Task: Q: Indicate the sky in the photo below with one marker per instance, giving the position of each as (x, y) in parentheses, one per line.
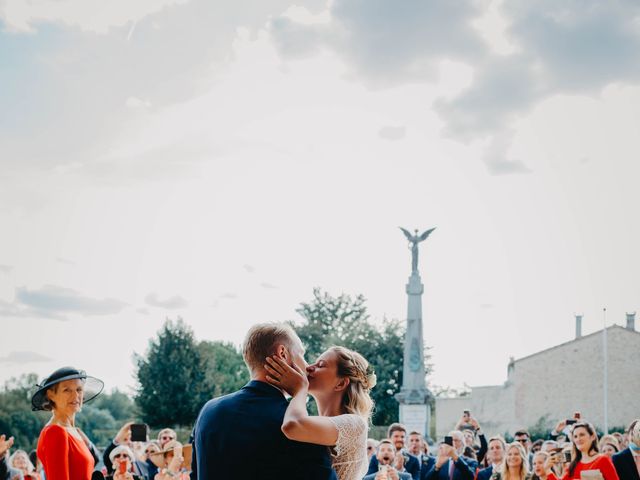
(216, 161)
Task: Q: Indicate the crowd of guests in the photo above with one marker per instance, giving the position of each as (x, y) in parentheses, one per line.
(464, 454)
(571, 451)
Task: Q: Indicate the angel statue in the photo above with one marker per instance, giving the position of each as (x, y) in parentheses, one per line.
(414, 240)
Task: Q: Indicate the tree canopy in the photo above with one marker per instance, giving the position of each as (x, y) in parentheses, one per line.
(172, 378)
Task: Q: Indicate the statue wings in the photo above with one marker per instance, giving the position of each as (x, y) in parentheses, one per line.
(425, 234)
(416, 238)
(407, 234)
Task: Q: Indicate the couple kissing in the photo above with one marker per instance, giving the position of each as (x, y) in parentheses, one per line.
(255, 433)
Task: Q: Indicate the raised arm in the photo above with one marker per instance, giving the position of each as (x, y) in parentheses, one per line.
(297, 424)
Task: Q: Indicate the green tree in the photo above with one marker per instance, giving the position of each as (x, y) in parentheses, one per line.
(171, 377)
(98, 424)
(120, 405)
(343, 320)
(224, 367)
(16, 417)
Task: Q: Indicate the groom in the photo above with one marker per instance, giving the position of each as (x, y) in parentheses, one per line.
(238, 436)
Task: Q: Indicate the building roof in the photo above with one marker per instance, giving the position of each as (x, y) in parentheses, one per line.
(576, 340)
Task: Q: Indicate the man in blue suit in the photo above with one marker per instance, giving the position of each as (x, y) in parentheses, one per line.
(239, 435)
(450, 466)
(627, 462)
(495, 455)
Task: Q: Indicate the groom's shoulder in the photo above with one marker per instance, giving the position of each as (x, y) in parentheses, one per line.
(223, 402)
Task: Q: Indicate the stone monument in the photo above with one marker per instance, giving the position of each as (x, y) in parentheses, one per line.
(414, 397)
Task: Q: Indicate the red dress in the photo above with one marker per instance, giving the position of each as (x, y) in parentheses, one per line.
(63, 456)
(602, 463)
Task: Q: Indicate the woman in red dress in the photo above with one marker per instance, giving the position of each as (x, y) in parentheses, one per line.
(64, 450)
(586, 456)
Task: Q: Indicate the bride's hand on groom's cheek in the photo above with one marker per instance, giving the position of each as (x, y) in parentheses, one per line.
(289, 378)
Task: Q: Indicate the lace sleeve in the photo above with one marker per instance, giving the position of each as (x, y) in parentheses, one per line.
(352, 433)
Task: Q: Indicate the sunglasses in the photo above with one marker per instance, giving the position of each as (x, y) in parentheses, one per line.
(121, 455)
(166, 438)
(522, 440)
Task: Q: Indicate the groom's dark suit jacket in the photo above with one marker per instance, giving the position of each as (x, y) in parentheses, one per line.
(238, 436)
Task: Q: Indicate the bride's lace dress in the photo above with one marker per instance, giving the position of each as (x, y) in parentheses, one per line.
(349, 456)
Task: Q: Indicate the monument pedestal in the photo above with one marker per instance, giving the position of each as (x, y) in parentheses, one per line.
(416, 418)
(414, 397)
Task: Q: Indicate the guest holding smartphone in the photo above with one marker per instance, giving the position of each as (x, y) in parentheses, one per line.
(122, 460)
(65, 451)
(585, 454)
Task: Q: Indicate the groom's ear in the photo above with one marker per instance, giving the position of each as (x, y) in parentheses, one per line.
(282, 352)
(342, 384)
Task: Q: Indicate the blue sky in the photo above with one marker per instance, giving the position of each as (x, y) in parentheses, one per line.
(218, 160)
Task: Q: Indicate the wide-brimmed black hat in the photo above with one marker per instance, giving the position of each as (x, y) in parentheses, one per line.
(92, 386)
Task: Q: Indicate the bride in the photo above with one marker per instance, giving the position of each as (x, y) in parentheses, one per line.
(339, 381)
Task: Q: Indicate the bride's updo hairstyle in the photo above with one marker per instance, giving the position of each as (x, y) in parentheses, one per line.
(355, 367)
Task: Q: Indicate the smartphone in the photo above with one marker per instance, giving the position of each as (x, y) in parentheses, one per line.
(139, 432)
(570, 421)
(448, 440)
(122, 468)
(383, 468)
(566, 457)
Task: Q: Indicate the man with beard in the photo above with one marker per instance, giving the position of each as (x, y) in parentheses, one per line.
(386, 471)
(404, 461)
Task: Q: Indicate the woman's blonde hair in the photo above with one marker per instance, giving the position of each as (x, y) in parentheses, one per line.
(18, 453)
(524, 465)
(355, 367)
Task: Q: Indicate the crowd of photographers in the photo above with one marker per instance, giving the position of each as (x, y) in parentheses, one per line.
(464, 454)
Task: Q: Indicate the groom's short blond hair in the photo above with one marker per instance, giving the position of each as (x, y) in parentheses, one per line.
(261, 342)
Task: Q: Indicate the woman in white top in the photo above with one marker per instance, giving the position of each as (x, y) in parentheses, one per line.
(339, 381)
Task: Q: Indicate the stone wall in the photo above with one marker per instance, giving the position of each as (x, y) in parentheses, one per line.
(553, 383)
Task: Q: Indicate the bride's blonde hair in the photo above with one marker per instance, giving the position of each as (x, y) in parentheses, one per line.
(355, 367)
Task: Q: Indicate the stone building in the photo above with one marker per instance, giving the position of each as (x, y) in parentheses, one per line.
(552, 384)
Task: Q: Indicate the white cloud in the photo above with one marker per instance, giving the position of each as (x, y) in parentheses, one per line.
(134, 102)
(91, 15)
(172, 303)
(52, 300)
(21, 358)
(392, 133)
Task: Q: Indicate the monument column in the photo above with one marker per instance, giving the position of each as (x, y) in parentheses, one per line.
(414, 397)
